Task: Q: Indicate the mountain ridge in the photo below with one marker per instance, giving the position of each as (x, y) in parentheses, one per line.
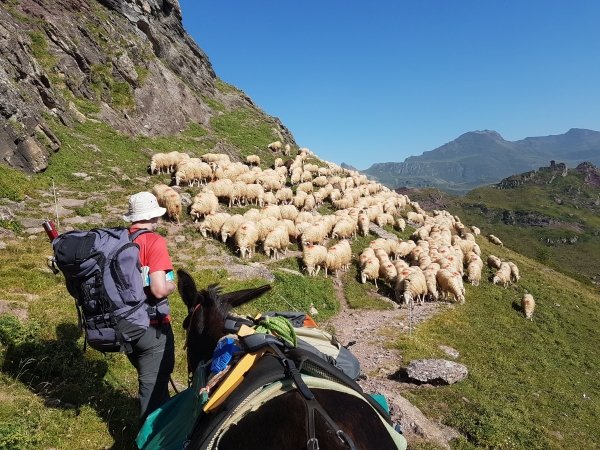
(483, 157)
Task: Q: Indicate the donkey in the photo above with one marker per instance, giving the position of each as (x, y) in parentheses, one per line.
(282, 422)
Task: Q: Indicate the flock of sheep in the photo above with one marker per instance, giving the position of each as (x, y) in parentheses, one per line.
(284, 199)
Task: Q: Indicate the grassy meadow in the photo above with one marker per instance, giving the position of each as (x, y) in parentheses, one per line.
(531, 385)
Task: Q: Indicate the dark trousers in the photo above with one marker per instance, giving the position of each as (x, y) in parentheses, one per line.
(153, 357)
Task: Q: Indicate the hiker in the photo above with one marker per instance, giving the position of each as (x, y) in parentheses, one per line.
(153, 354)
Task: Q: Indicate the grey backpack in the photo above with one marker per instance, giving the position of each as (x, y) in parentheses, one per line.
(103, 273)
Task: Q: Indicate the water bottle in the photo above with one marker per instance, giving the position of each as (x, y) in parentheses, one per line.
(50, 229)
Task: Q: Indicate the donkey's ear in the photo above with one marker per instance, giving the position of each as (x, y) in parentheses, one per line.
(238, 298)
(187, 288)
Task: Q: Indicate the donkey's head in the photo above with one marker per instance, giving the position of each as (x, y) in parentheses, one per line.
(207, 311)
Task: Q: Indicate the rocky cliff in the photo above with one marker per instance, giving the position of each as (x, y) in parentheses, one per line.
(128, 63)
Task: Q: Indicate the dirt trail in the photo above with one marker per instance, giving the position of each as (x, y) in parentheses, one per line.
(371, 330)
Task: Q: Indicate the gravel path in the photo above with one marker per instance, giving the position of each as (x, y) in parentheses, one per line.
(371, 330)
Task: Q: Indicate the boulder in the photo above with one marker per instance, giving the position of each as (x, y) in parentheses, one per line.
(436, 371)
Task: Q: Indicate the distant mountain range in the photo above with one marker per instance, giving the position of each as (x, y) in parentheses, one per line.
(479, 158)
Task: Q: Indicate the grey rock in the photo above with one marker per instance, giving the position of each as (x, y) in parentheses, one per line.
(31, 223)
(78, 115)
(76, 220)
(186, 199)
(451, 352)
(60, 210)
(436, 371)
(2, 245)
(380, 232)
(70, 202)
(10, 308)
(36, 158)
(6, 213)
(33, 230)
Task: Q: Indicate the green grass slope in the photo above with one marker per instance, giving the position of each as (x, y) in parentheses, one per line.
(531, 384)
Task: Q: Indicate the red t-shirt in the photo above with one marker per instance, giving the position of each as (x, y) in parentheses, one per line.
(155, 254)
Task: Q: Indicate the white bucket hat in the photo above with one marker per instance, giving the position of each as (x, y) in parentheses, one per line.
(143, 206)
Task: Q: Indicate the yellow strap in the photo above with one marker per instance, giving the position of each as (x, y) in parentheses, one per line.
(245, 330)
(236, 376)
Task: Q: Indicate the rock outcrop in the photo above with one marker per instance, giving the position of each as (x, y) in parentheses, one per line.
(128, 63)
(436, 371)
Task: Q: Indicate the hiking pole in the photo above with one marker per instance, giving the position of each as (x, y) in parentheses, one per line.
(410, 314)
(55, 203)
(293, 307)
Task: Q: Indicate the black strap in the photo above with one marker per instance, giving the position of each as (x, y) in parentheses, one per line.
(133, 236)
(311, 404)
(233, 324)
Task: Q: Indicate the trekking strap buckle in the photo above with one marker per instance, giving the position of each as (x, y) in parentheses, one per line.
(51, 263)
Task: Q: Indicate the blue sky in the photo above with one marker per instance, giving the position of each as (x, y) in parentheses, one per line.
(364, 82)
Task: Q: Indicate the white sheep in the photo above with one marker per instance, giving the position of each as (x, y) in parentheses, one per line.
(313, 257)
(245, 238)
(168, 198)
(369, 270)
(275, 146)
(363, 224)
(222, 188)
(387, 271)
(338, 257)
(309, 203)
(265, 226)
(253, 214)
(204, 204)
(412, 287)
(212, 224)
(399, 224)
(502, 275)
(474, 267)
(514, 272)
(159, 163)
(431, 281)
(255, 194)
(494, 240)
(193, 172)
(450, 282)
(528, 306)
(276, 241)
(315, 234)
(494, 262)
(344, 229)
(284, 195)
(253, 160)
(271, 211)
(231, 225)
(215, 158)
(305, 187)
(288, 212)
(269, 199)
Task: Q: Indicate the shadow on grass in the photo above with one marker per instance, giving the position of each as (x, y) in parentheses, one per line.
(58, 372)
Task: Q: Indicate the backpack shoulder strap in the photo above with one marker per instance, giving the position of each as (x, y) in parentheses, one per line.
(133, 236)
